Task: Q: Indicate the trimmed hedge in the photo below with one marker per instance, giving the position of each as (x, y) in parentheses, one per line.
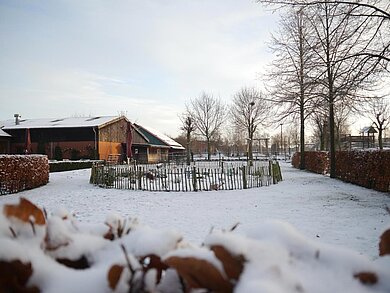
(317, 162)
(69, 165)
(370, 169)
(19, 172)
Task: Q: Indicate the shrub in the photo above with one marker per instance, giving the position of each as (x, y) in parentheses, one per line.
(20, 172)
(369, 169)
(69, 165)
(58, 153)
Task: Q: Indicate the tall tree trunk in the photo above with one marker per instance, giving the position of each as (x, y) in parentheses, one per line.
(332, 149)
(380, 140)
(302, 139)
(188, 148)
(331, 97)
(302, 93)
(208, 149)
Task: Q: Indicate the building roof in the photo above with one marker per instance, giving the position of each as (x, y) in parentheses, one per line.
(57, 122)
(157, 138)
(4, 134)
(368, 129)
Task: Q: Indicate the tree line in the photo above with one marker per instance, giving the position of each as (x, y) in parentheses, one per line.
(331, 57)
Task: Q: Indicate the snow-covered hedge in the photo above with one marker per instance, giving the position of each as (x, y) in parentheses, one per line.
(53, 252)
(369, 169)
(18, 172)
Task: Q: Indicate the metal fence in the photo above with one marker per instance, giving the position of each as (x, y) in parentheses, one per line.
(170, 177)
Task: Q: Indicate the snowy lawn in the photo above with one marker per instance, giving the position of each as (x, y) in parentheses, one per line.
(189, 236)
(323, 209)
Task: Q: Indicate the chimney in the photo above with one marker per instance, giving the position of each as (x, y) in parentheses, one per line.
(17, 116)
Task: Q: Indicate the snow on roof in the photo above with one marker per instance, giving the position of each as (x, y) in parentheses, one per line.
(4, 134)
(169, 141)
(57, 122)
(368, 129)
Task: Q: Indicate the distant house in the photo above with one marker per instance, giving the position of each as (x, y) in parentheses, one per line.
(160, 148)
(68, 138)
(85, 138)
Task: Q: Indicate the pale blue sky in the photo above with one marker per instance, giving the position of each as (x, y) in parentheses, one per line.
(60, 58)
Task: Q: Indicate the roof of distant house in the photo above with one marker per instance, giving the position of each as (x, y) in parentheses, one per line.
(58, 122)
(157, 138)
(369, 129)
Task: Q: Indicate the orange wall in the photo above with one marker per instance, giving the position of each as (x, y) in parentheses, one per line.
(109, 148)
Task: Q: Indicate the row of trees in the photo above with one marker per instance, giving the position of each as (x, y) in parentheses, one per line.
(205, 116)
(330, 58)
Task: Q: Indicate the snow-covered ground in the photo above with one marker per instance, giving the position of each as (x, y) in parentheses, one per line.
(323, 209)
(189, 234)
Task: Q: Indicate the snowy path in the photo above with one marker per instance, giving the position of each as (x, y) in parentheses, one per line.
(321, 208)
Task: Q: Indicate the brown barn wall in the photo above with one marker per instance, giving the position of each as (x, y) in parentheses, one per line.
(84, 147)
(114, 132)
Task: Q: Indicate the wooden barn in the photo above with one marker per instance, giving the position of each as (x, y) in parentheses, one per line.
(100, 137)
(69, 138)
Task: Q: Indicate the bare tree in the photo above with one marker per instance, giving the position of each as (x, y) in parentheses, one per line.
(291, 70)
(188, 127)
(342, 113)
(378, 38)
(379, 108)
(348, 57)
(320, 122)
(208, 115)
(248, 110)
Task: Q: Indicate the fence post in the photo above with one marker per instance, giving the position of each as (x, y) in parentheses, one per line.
(92, 179)
(139, 175)
(244, 183)
(194, 178)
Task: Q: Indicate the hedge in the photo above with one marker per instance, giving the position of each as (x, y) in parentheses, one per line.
(20, 172)
(59, 166)
(370, 169)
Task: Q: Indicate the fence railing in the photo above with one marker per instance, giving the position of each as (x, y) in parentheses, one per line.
(180, 178)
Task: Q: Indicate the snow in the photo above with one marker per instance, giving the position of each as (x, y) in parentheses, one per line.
(4, 134)
(169, 141)
(57, 122)
(309, 232)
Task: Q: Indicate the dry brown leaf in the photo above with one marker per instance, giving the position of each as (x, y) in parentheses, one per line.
(109, 235)
(78, 264)
(153, 261)
(113, 276)
(25, 211)
(384, 244)
(199, 273)
(14, 276)
(232, 264)
(367, 278)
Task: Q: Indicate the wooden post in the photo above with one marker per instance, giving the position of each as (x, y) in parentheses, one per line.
(244, 183)
(139, 175)
(194, 178)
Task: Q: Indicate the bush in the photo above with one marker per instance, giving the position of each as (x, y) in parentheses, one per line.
(58, 153)
(19, 172)
(369, 169)
(74, 154)
(317, 162)
(70, 165)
